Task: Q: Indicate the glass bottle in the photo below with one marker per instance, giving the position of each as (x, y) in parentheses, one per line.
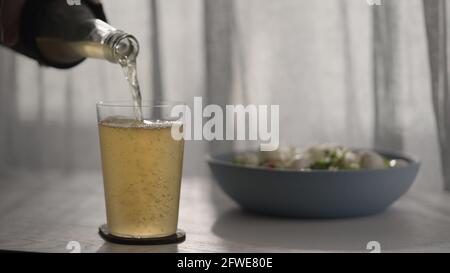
(62, 35)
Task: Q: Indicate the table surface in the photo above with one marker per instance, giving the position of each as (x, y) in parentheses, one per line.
(44, 211)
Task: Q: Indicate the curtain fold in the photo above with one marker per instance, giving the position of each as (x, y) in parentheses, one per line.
(387, 130)
(404, 110)
(436, 17)
(7, 111)
(157, 90)
(219, 16)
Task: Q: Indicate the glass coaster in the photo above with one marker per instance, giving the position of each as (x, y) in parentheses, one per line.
(176, 238)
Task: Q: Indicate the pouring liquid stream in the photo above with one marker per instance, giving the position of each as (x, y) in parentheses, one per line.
(129, 68)
(127, 53)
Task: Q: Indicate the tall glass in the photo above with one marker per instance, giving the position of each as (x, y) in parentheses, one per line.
(142, 165)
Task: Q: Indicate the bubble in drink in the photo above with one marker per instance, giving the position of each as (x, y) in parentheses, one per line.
(142, 167)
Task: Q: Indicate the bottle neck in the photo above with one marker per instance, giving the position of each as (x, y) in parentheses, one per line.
(89, 39)
(120, 46)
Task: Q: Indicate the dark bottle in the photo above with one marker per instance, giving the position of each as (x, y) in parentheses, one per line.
(62, 34)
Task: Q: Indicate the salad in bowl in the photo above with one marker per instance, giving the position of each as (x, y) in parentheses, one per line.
(318, 157)
(322, 181)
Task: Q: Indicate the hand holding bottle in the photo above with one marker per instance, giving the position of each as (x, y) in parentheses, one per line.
(56, 33)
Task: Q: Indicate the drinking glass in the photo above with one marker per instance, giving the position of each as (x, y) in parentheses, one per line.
(142, 166)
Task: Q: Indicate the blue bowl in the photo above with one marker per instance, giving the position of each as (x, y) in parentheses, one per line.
(315, 193)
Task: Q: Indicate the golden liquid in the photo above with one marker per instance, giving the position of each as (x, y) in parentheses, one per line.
(60, 51)
(142, 167)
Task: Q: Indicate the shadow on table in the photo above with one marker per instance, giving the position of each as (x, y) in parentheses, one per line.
(394, 229)
(117, 248)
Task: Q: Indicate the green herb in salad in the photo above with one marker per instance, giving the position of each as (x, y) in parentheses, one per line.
(319, 157)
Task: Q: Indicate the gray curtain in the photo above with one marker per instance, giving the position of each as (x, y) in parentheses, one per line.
(404, 105)
(436, 22)
(341, 71)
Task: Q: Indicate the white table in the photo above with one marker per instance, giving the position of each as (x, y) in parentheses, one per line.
(43, 211)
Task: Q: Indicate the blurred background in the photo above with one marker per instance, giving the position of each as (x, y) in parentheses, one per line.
(342, 71)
